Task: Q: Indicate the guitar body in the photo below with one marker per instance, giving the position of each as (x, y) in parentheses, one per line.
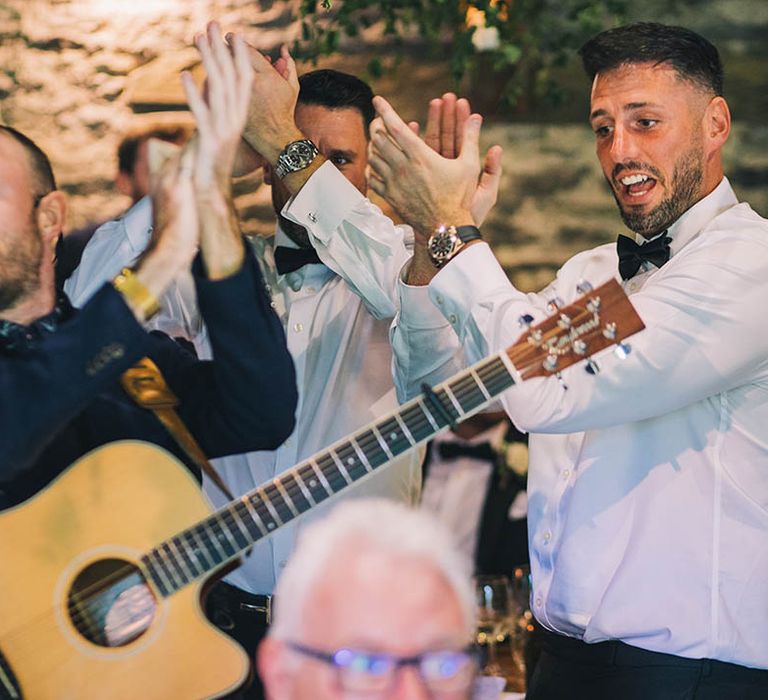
(82, 534)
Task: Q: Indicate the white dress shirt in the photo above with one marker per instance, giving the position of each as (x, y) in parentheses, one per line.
(648, 483)
(455, 489)
(336, 320)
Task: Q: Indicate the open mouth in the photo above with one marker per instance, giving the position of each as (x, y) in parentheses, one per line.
(636, 186)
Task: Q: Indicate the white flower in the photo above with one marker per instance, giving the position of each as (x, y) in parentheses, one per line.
(485, 38)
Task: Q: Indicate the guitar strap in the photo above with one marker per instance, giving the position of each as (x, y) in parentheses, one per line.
(145, 384)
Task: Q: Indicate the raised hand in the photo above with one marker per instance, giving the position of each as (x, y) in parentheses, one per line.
(221, 116)
(446, 123)
(446, 118)
(270, 124)
(424, 187)
(221, 113)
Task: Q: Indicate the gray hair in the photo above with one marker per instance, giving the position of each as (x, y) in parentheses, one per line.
(379, 524)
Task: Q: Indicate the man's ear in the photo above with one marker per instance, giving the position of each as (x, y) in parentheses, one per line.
(51, 215)
(274, 668)
(717, 122)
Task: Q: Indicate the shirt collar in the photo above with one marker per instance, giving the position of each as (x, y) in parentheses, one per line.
(16, 338)
(696, 219)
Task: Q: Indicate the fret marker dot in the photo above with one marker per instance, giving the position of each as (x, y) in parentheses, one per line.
(271, 526)
(351, 460)
(312, 483)
(393, 436)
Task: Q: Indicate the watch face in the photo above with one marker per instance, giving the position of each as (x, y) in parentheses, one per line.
(299, 154)
(441, 245)
(296, 156)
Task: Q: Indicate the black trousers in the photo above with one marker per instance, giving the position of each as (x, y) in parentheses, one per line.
(570, 669)
(233, 612)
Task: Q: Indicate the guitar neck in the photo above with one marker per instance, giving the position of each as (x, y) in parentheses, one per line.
(231, 530)
(600, 318)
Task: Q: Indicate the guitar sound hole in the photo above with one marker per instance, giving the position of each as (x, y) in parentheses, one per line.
(110, 603)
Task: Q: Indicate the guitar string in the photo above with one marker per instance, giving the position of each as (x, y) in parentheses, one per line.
(497, 369)
(464, 387)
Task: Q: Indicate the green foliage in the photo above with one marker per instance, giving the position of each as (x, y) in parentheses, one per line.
(522, 41)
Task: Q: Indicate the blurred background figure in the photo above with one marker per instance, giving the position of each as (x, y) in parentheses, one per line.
(474, 481)
(132, 181)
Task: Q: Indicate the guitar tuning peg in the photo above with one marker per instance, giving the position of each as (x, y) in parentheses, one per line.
(592, 367)
(525, 320)
(554, 304)
(579, 347)
(622, 350)
(562, 381)
(550, 363)
(583, 287)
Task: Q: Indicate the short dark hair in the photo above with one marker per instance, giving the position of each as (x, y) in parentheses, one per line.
(337, 90)
(693, 57)
(39, 166)
(128, 149)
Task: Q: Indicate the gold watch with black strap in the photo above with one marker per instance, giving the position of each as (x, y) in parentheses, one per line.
(447, 241)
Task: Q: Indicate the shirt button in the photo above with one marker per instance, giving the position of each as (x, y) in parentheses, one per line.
(547, 537)
(566, 473)
(439, 299)
(312, 217)
(298, 327)
(452, 318)
(538, 602)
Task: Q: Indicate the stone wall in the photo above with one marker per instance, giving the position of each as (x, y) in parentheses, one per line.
(77, 74)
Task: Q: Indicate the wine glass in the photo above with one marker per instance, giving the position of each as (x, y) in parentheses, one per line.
(520, 623)
(493, 609)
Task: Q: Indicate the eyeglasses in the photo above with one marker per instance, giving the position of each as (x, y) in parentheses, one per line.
(444, 671)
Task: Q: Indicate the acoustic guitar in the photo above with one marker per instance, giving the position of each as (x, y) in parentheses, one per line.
(103, 571)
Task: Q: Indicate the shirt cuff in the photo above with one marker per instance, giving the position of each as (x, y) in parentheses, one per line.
(470, 276)
(416, 308)
(323, 203)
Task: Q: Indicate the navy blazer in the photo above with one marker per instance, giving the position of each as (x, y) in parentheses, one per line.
(60, 395)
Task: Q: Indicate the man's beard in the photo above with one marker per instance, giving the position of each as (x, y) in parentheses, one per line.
(686, 188)
(20, 269)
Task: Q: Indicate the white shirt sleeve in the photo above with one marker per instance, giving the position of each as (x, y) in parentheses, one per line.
(118, 244)
(353, 237)
(704, 333)
(425, 347)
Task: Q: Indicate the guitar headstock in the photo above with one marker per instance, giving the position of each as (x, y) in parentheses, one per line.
(600, 318)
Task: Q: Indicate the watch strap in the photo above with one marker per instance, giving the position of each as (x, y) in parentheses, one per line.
(136, 293)
(468, 233)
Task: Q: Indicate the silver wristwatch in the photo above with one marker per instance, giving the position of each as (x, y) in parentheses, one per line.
(446, 241)
(297, 155)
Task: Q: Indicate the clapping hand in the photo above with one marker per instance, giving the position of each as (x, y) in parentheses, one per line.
(438, 180)
(221, 114)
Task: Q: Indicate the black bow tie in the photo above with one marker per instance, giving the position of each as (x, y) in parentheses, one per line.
(291, 259)
(454, 450)
(631, 255)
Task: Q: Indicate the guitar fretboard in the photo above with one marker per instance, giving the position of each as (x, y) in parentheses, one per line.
(231, 530)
